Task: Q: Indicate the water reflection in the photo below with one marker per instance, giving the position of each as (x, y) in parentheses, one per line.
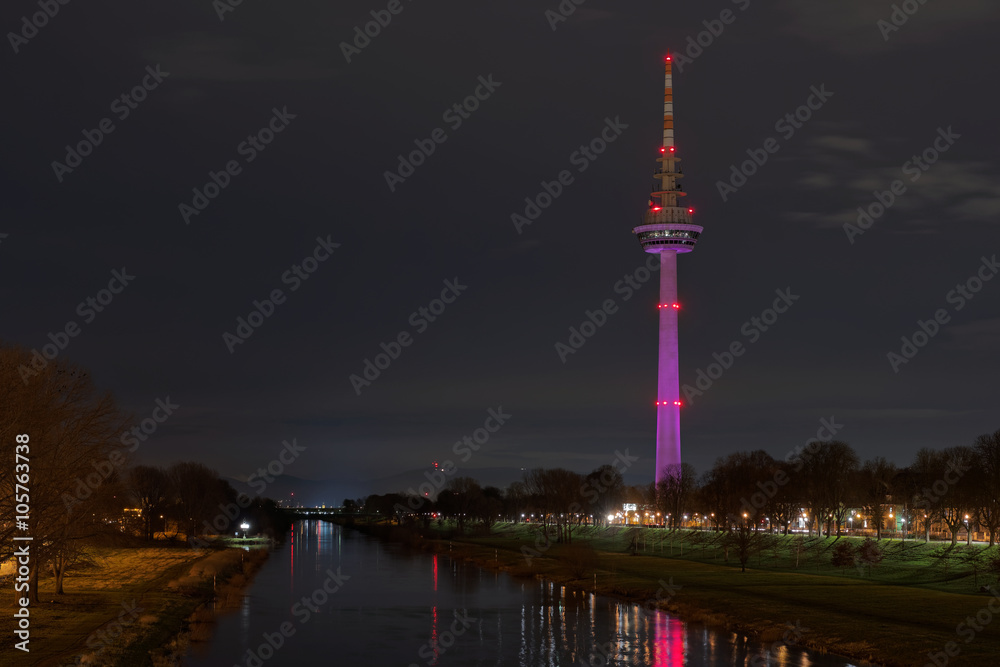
(399, 607)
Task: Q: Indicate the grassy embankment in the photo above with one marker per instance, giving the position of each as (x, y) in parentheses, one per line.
(130, 606)
(908, 606)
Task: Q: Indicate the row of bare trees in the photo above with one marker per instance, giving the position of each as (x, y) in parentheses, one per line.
(957, 487)
(556, 497)
(73, 473)
(824, 486)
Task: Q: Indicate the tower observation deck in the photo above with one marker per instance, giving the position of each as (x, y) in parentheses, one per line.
(667, 229)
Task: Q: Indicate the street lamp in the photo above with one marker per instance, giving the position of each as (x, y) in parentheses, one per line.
(245, 526)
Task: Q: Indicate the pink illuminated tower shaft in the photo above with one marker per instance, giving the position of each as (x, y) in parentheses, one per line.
(668, 413)
(667, 229)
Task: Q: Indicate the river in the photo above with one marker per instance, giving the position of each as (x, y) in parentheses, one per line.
(333, 596)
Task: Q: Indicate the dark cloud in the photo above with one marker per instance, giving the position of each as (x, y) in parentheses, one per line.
(324, 175)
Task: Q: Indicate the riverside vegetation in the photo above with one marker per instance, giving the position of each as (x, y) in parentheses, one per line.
(904, 609)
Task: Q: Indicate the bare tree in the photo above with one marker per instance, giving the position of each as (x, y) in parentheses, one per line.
(515, 499)
(71, 458)
(925, 472)
(198, 496)
(831, 472)
(565, 485)
(150, 487)
(746, 540)
(467, 496)
(604, 489)
(675, 490)
(958, 508)
(877, 477)
(987, 448)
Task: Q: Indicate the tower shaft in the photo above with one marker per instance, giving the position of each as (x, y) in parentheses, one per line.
(668, 418)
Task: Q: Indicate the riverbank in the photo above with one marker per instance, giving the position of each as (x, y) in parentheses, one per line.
(133, 606)
(892, 623)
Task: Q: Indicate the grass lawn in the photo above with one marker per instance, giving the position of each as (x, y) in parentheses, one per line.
(909, 605)
(125, 603)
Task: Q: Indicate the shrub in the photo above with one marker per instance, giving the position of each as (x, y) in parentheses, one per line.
(844, 555)
(870, 553)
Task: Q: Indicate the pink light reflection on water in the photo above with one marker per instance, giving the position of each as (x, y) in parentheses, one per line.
(668, 641)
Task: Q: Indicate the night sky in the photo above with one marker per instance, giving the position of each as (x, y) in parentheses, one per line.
(519, 288)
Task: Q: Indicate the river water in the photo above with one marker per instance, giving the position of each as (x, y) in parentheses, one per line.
(332, 596)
